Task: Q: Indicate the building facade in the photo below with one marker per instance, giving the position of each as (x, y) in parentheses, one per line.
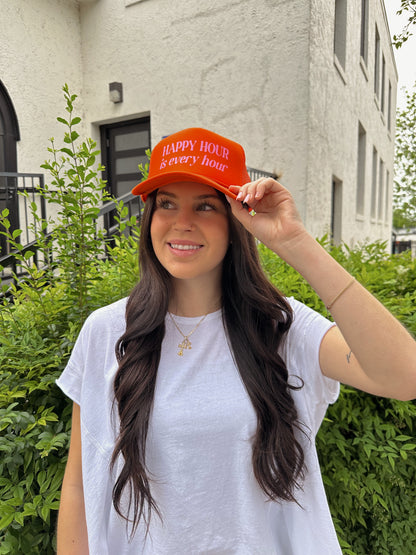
(308, 87)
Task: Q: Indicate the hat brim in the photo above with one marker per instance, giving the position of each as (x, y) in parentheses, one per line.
(149, 185)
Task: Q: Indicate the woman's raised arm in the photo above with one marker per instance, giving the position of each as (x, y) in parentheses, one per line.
(370, 350)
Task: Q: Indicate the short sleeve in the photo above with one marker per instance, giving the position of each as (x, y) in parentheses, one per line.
(70, 381)
(301, 350)
(93, 355)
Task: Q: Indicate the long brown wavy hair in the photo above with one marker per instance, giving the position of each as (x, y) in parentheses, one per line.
(256, 318)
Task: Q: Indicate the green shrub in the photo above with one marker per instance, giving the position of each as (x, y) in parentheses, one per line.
(34, 425)
(39, 322)
(35, 343)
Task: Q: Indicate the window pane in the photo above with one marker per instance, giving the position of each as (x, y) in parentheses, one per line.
(340, 30)
(361, 170)
(336, 212)
(383, 78)
(389, 108)
(364, 29)
(374, 186)
(377, 64)
(380, 214)
(127, 165)
(124, 187)
(131, 141)
(2, 154)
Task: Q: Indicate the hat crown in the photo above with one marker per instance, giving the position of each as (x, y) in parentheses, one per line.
(196, 154)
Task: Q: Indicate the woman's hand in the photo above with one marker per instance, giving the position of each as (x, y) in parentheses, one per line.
(276, 222)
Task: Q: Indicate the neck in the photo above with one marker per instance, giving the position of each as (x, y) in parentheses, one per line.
(190, 300)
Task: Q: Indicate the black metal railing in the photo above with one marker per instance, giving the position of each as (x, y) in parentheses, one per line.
(256, 174)
(18, 191)
(19, 195)
(20, 215)
(108, 212)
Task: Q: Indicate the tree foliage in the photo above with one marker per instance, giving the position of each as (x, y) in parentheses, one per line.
(404, 200)
(409, 7)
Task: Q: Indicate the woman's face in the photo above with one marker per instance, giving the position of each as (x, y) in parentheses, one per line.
(190, 231)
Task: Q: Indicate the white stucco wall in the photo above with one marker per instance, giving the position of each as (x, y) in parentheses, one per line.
(262, 73)
(259, 71)
(339, 99)
(40, 52)
(218, 65)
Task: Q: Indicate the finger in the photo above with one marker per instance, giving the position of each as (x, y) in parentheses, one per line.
(251, 194)
(262, 186)
(247, 192)
(241, 194)
(256, 190)
(267, 185)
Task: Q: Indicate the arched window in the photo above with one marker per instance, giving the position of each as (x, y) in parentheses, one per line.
(9, 132)
(2, 143)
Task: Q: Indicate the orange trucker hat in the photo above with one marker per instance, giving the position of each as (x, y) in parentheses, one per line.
(198, 155)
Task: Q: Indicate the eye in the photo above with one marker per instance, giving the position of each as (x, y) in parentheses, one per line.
(164, 203)
(206, 206)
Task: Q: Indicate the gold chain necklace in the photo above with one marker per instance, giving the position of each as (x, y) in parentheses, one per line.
(185, 344)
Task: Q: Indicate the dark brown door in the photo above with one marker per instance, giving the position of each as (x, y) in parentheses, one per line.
(124, 145)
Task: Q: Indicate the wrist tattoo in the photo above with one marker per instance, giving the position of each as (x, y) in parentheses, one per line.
(349, 355)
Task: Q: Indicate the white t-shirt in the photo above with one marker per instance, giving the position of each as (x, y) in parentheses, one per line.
(199, 449)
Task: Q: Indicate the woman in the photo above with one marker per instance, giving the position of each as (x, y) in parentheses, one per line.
(197, 400)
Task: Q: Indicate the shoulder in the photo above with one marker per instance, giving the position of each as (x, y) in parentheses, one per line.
(111, 316)
(93, 361)
(303, 341)
(298, 306)
(103, 326)
(306, 331)
(306, 318)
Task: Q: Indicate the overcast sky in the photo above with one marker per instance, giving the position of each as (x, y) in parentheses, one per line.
(406, 55)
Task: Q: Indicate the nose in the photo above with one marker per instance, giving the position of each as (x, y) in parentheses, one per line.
(184, 220)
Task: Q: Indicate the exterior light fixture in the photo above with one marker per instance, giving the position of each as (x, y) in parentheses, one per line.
(116, 92)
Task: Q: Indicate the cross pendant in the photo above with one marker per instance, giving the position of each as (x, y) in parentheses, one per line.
(185, 344)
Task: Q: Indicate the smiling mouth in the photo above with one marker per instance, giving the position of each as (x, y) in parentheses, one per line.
(185, 247)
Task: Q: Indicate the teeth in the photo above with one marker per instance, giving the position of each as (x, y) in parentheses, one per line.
(184, 247)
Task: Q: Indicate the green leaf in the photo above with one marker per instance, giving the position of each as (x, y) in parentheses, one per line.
(408, 447)
(44, 513)
(28, 254)
(20, 518)
(7, 515)
(67, 151)
(41, 477)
